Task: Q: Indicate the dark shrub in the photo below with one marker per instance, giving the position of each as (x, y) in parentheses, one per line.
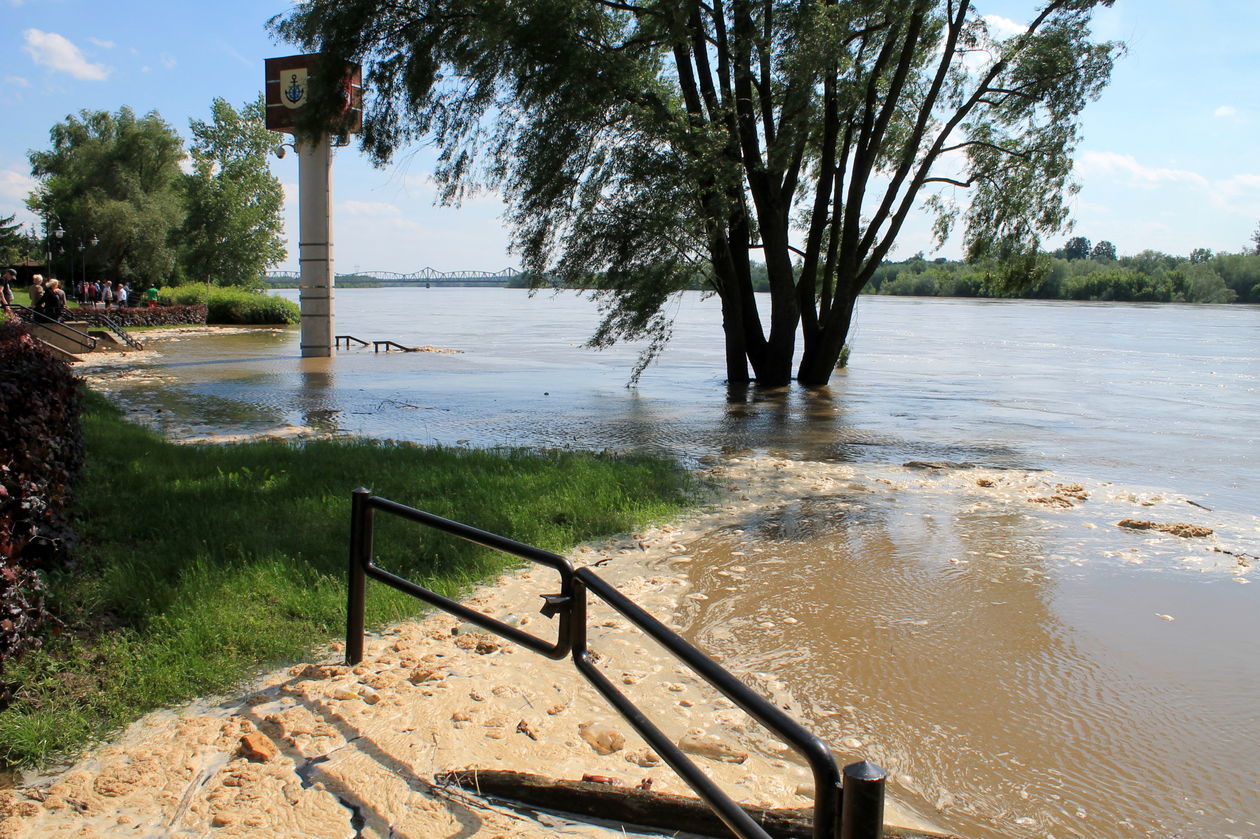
(149, 316)
(41, 456)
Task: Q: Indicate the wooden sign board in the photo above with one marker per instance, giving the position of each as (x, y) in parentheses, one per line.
(288, 80)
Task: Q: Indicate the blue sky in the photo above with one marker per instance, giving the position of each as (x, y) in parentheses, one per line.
(1170, 156)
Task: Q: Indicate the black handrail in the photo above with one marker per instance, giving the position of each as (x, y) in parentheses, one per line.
(102, 319)
(29, 315)
(570, 606)
(347, 339)
(376, 346)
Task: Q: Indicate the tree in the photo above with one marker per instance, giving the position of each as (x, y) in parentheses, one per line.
(641, 139)
(1076, 248)
(1104, 251)
(1255, 240)
(116, 177)
(233, 229)
(15, 245)
(1199, 256)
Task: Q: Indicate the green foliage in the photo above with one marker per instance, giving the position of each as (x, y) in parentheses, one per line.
(1104, 251)
(1148, 276)
(117, 177)
(232, 229)
(206, 563)
(1076, 248)
(15, 246)
(648, 144)
(228, 305)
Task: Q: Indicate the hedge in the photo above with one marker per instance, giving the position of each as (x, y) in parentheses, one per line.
(41, 458)
(148, 316)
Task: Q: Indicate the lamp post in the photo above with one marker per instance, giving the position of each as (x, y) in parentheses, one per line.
(82, 286)
(48, 235)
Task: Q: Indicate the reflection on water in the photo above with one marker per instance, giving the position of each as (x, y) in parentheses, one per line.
(1010, 665)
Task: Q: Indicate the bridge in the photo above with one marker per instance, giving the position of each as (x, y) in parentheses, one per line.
(424, 277)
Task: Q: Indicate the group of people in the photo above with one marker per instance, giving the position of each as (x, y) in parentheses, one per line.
(96, 294)
(48, 298)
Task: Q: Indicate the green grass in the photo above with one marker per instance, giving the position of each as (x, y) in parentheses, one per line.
(203, 565)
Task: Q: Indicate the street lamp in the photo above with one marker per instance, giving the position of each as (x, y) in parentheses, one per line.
(49, 234)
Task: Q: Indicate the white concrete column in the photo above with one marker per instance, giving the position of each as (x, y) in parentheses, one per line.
(315, 250)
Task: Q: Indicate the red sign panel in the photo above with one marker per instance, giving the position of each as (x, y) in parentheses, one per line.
(287, 91)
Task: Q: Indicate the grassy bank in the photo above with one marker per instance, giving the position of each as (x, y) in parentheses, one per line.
(203, 564)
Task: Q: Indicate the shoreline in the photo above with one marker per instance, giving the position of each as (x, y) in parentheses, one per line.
(317, 718)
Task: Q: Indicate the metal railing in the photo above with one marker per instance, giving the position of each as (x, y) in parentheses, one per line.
(861, 818)
(64, 331)
(101, 319)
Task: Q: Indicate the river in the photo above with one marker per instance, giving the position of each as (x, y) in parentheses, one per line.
(1021, 669)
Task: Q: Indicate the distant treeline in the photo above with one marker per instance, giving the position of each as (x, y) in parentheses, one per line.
(1202, 277)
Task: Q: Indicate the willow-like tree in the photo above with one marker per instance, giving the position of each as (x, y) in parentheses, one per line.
(640, 143)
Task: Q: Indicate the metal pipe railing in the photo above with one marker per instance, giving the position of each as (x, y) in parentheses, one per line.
(861, 817)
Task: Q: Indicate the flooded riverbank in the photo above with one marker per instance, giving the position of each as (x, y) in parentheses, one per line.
(1022, 665)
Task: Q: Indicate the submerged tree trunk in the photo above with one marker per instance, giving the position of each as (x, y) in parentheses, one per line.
(822, 353)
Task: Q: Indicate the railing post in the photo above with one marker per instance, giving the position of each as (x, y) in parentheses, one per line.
(862, 806)
(360, 556)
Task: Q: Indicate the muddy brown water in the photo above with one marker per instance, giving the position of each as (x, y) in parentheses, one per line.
(1020, 669)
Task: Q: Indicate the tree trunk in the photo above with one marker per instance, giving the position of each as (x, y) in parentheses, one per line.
(736, 347)
(823, 352)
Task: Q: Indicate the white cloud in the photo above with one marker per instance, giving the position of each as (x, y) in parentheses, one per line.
(1225, 111)
(17, 81)
(1003, 27)
(1127, 166)
(168, 60)
(1239, 194)
(58, 53)
(371, 209)
(106, 45)
(15, 185)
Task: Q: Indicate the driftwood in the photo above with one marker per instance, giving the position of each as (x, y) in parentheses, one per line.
(632, 805)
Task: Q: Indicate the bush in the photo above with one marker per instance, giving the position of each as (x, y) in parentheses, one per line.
(41, 457)
(226, 305)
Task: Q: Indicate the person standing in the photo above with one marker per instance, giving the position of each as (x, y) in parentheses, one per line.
(6, 288)
(53, 301)
(36, 290)
(107, 294)
(151, 296)
(120, 295)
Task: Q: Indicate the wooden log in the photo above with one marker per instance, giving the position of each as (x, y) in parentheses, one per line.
(632, 805)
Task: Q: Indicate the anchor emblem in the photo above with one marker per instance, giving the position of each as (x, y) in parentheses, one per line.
(294, 93)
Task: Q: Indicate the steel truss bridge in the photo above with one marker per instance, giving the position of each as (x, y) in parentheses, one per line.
(423, 277)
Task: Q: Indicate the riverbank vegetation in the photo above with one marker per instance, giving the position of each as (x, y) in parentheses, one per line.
(1150, 276)
(201, 564)
(232, 305)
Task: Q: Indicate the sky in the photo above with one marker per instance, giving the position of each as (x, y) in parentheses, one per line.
(1169, 158)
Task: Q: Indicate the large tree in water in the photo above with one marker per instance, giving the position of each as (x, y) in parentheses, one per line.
(642, 143)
